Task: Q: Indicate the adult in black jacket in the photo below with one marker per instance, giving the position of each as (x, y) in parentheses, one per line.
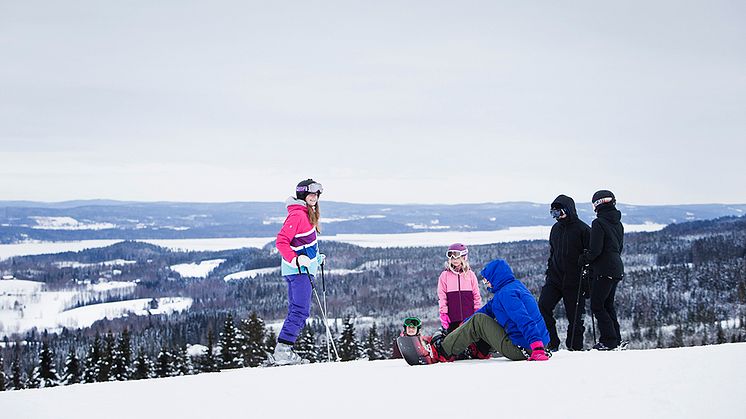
(605, 259)
(569, 237)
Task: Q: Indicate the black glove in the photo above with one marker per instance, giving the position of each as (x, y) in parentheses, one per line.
(583, 258)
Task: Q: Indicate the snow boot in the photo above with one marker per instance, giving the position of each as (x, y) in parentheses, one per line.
(436, 347)
(285, 355)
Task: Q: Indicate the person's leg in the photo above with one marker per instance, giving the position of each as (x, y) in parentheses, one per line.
(482, 326)
(299, 308)
(602, 287)
(611, 310)
(548, 299)
(575, 318)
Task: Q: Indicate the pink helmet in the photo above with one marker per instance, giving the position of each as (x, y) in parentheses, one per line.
(457, 250)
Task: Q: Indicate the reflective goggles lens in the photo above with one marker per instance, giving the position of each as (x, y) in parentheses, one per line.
(556, 213)
(412, 322)
(455, 254)
(312, 188)
(601, 202)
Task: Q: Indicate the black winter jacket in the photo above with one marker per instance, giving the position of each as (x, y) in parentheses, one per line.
(607, 243)
(569, 237)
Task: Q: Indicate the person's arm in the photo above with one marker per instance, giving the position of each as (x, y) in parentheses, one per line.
(596, 245)
(443, 300)
(475, 291)
(516, 310)
(287, 233)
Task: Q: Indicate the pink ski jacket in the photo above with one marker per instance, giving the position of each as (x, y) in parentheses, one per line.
(458, 294)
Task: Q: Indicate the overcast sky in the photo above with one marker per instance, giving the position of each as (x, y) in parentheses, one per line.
(381, 101)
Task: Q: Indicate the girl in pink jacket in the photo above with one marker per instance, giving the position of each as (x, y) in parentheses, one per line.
(458, 288)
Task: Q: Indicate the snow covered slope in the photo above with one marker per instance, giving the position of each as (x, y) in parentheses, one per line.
(679, 383)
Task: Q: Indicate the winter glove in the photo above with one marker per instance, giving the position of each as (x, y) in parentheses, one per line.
(537, 352)
(321, 258)
(301, 260)
(583, 259)
(445, 320)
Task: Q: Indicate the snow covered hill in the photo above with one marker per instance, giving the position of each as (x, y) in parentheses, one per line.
(693, 382)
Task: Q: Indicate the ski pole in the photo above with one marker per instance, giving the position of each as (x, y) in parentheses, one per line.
(323, 292)
(574, 324)
(323, 312)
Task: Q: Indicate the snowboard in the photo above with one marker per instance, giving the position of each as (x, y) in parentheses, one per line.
(413, 351)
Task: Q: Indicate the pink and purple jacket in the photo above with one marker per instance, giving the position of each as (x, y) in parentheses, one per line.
(458, 295)
(297, 237)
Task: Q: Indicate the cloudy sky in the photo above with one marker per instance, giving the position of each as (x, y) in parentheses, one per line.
(381, 101)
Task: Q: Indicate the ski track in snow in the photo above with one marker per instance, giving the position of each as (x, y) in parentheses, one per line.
(694, 382)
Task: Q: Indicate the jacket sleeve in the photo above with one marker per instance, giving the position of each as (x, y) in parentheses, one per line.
(596, 245)
(475, 291)
(516, 310)
(286, 234)
(442, 287)
(486, 309)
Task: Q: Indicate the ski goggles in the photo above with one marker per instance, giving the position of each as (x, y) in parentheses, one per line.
(312, 188)
(412, 322)
(455, 254)
(556, 212)
(601, 201)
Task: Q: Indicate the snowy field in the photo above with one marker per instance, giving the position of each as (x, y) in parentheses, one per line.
(443, 238)
(26, 304)
(697, 382)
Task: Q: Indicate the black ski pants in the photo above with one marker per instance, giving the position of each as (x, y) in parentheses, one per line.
(603, 293)
(550, 296)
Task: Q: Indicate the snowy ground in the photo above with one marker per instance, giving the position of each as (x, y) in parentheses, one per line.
(442, 238)
(665, 383)
(26, 304)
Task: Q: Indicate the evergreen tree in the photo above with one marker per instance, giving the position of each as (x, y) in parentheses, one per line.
(229, 350)
(3, 384)
(91, 361)
(72, 373)
(164, 366)
(305, 346)
(33, 379)
(17, 379)
(348, 348)
(182, 362)
(208, 361)
(271, 341)
(122, 357)
(106, 359)
(373, 347)
(720, 334)
(142, 367)
(253, 348)
(47, 370)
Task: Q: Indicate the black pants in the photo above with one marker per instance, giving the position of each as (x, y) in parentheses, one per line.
(550, 296)
(603, 293)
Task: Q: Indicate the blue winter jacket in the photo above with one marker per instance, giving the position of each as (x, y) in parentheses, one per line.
(513, 306)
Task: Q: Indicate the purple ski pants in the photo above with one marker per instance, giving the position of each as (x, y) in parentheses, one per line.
(299, 307)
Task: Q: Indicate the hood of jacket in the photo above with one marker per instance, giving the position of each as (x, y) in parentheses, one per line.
(568, 204)
(294, 204)
(498, 274)
(610, 214)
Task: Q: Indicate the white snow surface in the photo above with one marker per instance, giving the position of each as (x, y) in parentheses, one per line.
(26, 304)
(68, 223)
(420, 239)
(694, 382)
(196, 270)
(251, 273)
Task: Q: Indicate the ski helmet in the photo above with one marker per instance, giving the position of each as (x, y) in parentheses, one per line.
(457, 250)
(603, 197)
(413, 322)
(306, 187)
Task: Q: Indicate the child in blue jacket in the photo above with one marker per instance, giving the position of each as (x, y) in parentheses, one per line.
(510, 322)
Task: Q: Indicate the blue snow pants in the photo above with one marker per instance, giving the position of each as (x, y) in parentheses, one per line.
(299, 307)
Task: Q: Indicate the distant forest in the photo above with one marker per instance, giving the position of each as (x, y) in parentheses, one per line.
(684, 286)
